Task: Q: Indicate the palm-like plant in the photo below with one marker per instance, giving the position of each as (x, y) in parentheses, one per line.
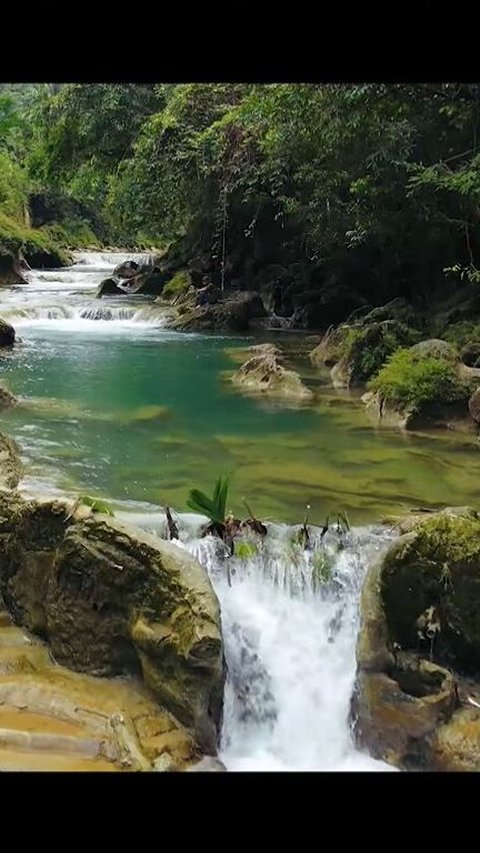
(214, 508)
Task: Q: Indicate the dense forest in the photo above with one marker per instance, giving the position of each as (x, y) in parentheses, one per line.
(322, 197)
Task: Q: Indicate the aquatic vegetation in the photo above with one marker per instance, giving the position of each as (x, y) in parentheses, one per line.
(322, 567)
(245, 550)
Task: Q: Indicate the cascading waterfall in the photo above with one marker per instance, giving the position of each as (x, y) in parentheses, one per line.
(290, 623)
(64, 296)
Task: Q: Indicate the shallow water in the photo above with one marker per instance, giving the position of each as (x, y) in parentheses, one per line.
(126, 408)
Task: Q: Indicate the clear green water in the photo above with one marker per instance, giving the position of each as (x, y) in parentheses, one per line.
(88, 430)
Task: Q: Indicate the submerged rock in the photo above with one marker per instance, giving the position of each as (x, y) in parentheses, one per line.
(418, 650)
(111, 599)
(7, 399)
(265, 374)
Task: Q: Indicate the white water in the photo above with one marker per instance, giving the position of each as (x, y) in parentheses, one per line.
(289, 640)
(289, 644)
(66, 297)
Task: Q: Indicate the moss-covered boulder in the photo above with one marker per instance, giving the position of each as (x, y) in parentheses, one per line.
(110, 599)
(425, 383)
(177, 286)
(365, 348)
(398, 310)
(233, 313)
(266, 375)
(418, 650)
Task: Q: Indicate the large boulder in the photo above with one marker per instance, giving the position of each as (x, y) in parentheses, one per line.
(397, 309)
(418, 650)
(110, 599)
(232, 313)
(109, 287)
(426, 384)
(266, 375)
(330, 349)
(7, 334)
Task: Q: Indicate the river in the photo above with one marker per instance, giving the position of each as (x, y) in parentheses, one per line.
(115, 404)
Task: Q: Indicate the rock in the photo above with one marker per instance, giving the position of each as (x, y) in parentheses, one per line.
(109, 287)
(7, 334)
(11, 468)
(470, 354)
(111, 599)
(232, 313)
(6, 398)
(397, 309)
(330, 349)
(437, 565)
(208, 764)
(388, 414)
(422, 600)
(128, 269)
(469, 375)
(474, 406)
(396, 712)
(435, 348)
(265, 374)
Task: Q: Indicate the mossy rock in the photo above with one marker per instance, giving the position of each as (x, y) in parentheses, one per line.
(365, 349)
(177, 285)
(113, 600)
(436, 566)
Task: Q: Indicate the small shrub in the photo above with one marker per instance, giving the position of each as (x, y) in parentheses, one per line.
(410, 380)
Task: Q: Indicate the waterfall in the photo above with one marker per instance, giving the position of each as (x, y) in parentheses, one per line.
(290, 620)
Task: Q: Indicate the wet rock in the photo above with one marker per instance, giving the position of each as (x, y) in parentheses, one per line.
(128, 269)
(109, 287)
(11, 468)
(265, 374)
(7, 334)
(418, 650)
(474, 406)
(6, 398)
(111, 599)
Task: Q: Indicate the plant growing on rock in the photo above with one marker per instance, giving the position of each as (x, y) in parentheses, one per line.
(408, 380)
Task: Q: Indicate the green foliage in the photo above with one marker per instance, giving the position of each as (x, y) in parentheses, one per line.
(13, 187)
(368, 347)
(412, 380)
(95, 504)
(462, 332)
(32, 243)
(214, 508)
(178, 284)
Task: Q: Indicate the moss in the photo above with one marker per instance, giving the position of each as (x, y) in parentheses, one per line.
(367, 347)
(37, 245)
(437, 567)
(178, 284)
(410, 379)
(462, 333)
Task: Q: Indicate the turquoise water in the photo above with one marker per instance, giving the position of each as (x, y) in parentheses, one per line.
(131, 411)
